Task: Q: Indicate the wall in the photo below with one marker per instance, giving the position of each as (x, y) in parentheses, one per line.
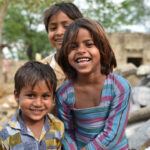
(131, 47)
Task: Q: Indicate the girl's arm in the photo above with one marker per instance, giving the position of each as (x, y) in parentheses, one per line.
(116, 122)
(64, 114)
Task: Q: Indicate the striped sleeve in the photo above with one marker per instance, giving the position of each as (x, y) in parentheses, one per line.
(64, 114)
(117, 119)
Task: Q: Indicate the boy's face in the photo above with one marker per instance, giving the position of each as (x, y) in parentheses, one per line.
(58, 24)
(35, 103)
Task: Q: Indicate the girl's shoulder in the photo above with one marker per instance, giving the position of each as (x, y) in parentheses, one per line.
(118, 80)
(115, 77)
(65, 87)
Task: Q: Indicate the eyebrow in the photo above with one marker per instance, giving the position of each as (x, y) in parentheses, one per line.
(54, 23)
(86, 40)
(89, 39)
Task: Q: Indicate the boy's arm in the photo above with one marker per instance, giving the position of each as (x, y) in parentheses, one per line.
(64, 114)
(116, 122)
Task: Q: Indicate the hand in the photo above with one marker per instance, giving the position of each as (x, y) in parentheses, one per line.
(83, 148)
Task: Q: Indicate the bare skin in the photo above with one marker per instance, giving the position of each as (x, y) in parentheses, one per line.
(36, 128)
(88, 91)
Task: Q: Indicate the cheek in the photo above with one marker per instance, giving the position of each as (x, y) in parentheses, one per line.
(50, 37)
(24, 102)
(69, 60)
(70, 57)
(49, 103)
(50, 106)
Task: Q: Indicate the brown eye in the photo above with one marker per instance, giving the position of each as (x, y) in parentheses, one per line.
(52, 28)
(65, 26)
(89, 44)
(30, 95)
(73, 46)
(46, 96)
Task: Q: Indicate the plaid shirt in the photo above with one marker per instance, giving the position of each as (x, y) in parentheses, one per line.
(14, 135)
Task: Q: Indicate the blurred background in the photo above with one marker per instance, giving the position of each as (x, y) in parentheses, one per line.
(127, 24)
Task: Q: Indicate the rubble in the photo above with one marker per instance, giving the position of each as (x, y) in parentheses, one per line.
(138, 128)
(138, 134)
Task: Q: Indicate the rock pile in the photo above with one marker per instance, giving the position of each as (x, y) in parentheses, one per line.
(138, 128)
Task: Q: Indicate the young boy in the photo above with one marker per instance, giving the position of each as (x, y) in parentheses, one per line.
(32, 128)
(56, 19)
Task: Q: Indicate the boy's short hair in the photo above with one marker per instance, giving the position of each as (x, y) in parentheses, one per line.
(69, 9)
(31, 73)
(107, 57)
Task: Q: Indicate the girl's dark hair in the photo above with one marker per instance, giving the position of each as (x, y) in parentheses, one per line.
(31, 73)
(107, 57)
(69, 9)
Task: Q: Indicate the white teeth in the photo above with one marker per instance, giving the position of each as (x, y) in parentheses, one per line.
(59, 40)
(82, 59)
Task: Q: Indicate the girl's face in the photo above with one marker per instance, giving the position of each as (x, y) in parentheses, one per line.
(84, 56)
(58, 24)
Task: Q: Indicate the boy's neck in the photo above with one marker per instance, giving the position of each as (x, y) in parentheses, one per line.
(35, 127)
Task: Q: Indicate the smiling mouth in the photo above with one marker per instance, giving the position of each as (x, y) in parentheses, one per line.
(82, 60)
(36, 110)
(59, 40)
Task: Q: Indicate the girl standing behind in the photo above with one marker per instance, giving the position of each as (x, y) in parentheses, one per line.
(94, 103)
(56, 19)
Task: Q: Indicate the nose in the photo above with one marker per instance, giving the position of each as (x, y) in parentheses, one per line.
(60, 30)
(81, 49)
(38, 102)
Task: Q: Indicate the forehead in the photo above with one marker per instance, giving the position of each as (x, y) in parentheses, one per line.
(82, 34)
(37, 85)
(59, 17)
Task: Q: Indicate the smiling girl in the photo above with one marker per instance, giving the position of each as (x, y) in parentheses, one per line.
(94, 103)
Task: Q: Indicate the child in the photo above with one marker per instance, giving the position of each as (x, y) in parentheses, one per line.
(56, 19)
(94, 103)
(32, 128)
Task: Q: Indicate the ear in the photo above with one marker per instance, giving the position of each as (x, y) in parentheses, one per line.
(16, 95)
